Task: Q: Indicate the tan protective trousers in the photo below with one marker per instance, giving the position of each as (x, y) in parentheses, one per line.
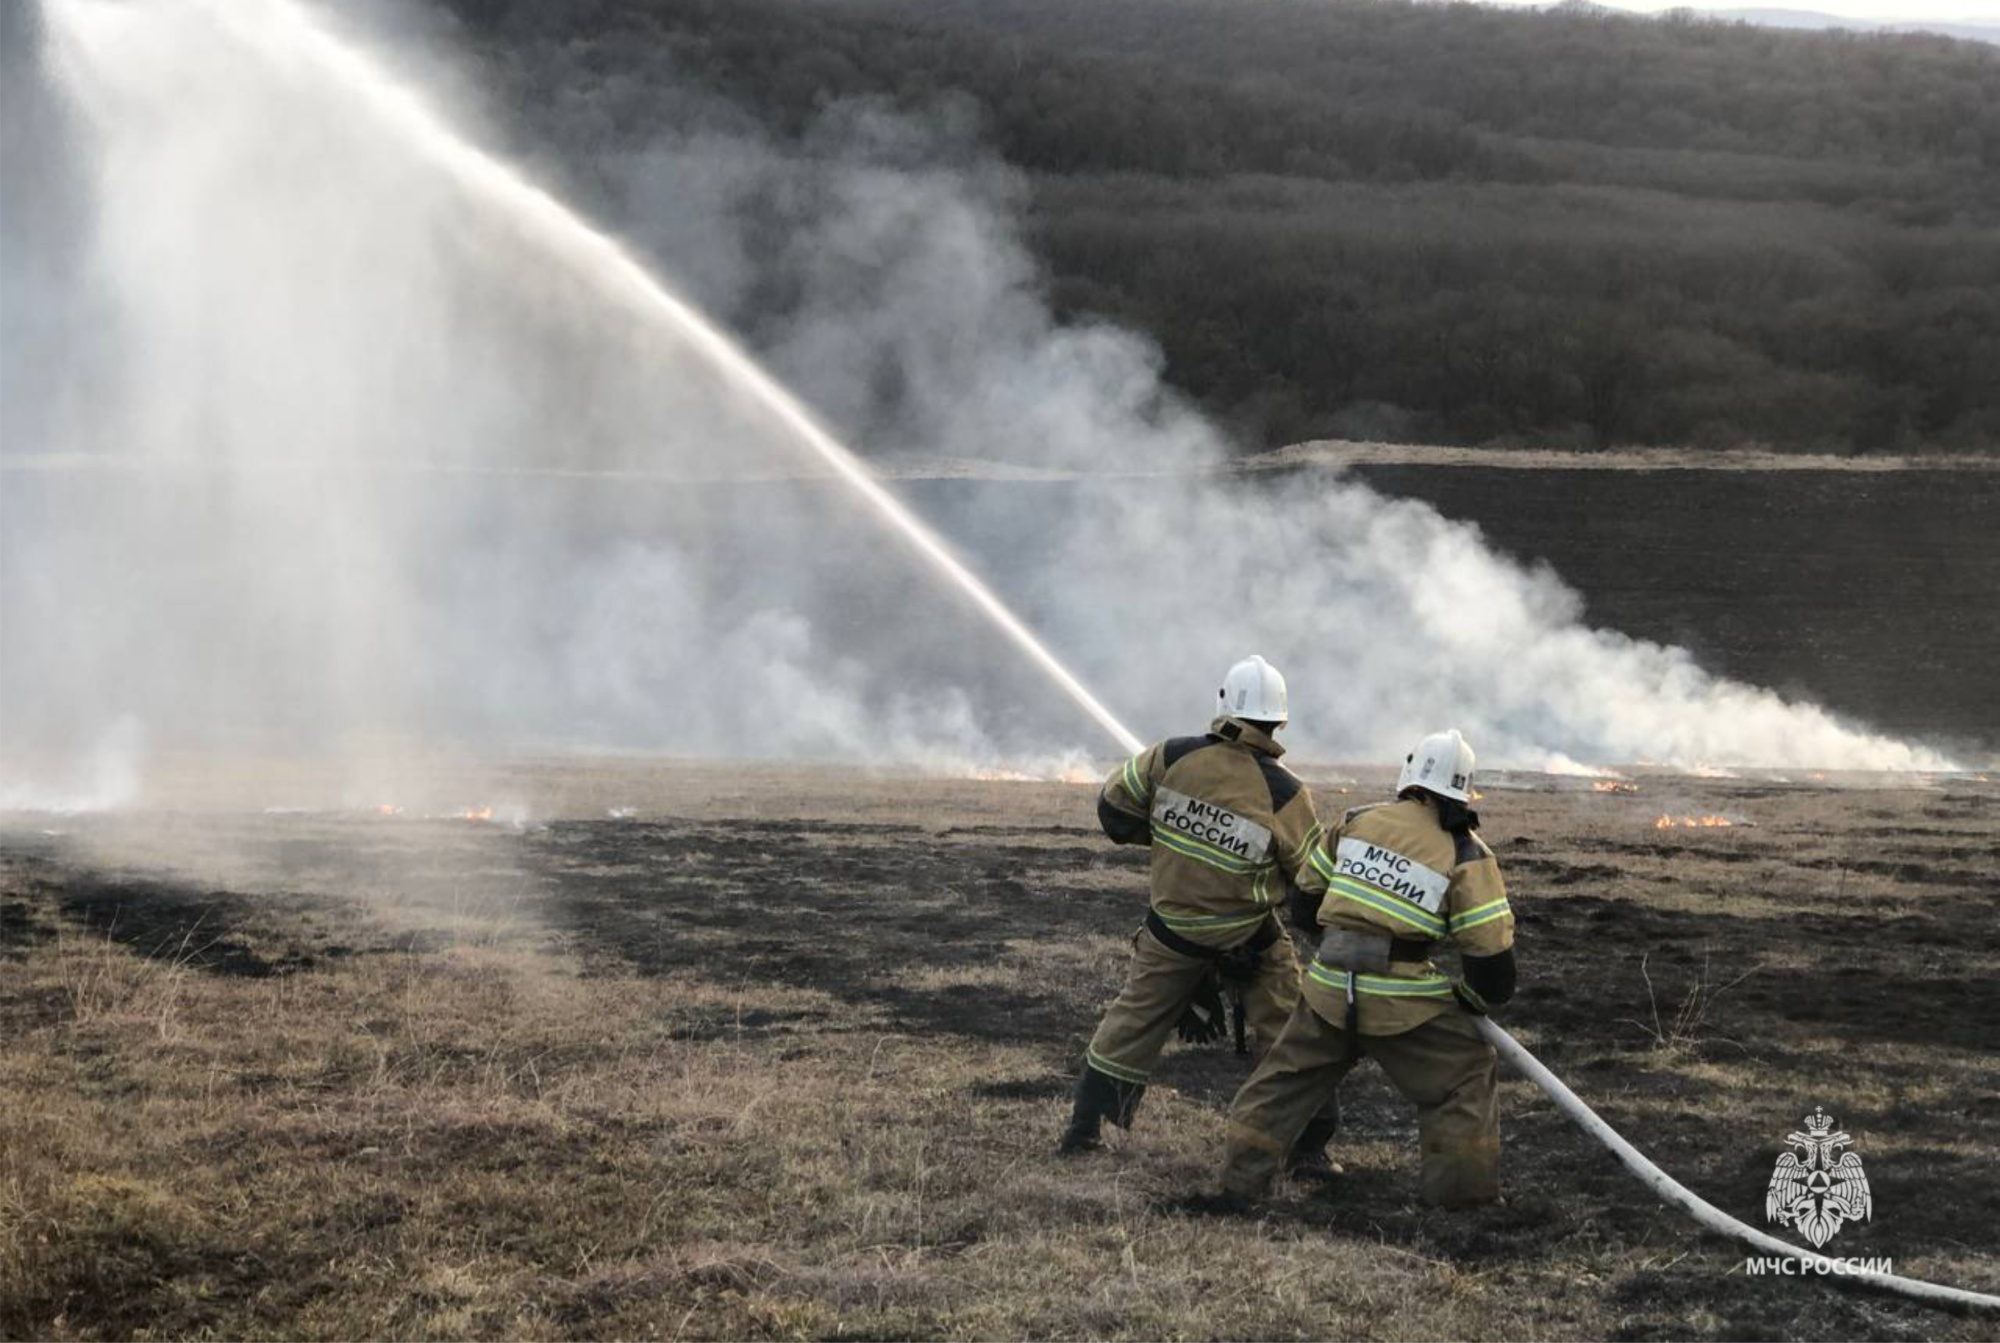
(1159, 984)
(1444, 1066)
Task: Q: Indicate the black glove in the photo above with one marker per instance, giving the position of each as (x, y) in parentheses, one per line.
(1490, 979)
(1122, 827)
(1468, 999)
(1302, 910)
(1203, 1020)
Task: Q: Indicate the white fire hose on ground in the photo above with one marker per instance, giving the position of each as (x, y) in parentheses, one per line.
(1700, 1209)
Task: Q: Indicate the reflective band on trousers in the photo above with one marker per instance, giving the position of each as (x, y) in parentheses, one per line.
(1110, 1069)
(1385, 986)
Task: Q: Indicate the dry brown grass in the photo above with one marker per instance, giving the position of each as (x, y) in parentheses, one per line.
(451, 1113)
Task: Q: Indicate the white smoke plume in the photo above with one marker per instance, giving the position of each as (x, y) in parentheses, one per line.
(341, 453)
(106, 777)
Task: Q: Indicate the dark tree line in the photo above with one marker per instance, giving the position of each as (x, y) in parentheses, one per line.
(1371, 218)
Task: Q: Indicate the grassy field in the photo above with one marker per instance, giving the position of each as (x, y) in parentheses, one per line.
(784, 1054)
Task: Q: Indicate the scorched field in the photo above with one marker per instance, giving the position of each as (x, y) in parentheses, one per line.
(710, 1051)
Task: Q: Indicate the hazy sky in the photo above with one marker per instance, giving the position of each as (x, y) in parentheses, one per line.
(1881, 11)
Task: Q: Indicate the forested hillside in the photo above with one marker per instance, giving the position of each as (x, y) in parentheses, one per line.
(1370, 218)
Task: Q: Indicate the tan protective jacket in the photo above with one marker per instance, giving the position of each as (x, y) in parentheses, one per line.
(1392, 868)
(1231, 827)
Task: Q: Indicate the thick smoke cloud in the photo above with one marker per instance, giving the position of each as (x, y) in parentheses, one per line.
(350, 458)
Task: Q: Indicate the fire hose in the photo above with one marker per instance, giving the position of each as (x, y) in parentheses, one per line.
(1705, 1212)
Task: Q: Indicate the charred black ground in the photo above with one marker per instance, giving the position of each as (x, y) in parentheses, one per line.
(1703, 988)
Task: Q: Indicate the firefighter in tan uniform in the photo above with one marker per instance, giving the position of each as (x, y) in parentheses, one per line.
(1388, 887)
(1230, 829)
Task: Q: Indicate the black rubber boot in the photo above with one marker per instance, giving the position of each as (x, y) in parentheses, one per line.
(1082, 1135)
(1308, 1159)
(1098, 1097)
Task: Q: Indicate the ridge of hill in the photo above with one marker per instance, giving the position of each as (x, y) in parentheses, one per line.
(1389, 220)
(1807, 18)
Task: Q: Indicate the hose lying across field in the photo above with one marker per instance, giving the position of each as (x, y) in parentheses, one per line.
(1700, 1209)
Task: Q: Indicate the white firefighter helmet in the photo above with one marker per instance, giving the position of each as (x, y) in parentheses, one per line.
(1441, 764)
(1253, 689)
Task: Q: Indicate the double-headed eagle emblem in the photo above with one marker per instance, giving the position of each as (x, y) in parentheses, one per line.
(1818, 1189)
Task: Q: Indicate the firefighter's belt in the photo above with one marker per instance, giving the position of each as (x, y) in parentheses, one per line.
(1369, 953)
(1237, 962)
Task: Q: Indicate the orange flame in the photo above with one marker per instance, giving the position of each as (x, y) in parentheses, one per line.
(476, 814)
(388, 809)
(1693, 822)
(1062, 774)
(1613, 786)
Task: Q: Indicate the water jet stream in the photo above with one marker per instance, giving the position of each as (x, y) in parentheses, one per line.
(595, 256)
(282, 289)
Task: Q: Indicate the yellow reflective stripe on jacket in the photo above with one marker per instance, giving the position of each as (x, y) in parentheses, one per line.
(1304, 852)
(1202, 852)
(1210, 923)
(1383, 903)
(1382, 986)
(1479, 914)
(1136, 785)
(1323, 864)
